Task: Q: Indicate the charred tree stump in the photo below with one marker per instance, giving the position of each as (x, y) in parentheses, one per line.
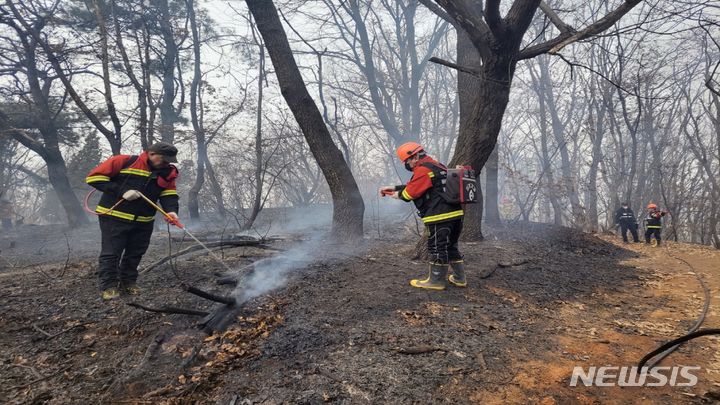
(219, 319)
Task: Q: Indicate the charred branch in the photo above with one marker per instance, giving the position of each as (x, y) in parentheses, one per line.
(210, 296)
(169, 310)
(233, 243)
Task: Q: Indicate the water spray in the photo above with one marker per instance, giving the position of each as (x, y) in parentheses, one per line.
(172, 220)
(176, 222)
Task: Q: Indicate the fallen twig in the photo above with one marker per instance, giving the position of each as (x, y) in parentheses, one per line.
(420, 350)
(211, 245)
(68, 330)
(37, 328)
(159, 392)
(67, 261)
(513, 264)
(32, 369)
(327, 374)
(62, 370)
(489, 273)
(169, 310)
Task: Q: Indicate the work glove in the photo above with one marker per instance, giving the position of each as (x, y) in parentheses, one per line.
(131, 195)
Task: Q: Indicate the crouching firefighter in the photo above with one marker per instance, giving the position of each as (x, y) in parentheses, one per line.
(438, 201)
(653, 223)
(126, 219)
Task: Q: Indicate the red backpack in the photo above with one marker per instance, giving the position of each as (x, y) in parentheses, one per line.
(455, 186)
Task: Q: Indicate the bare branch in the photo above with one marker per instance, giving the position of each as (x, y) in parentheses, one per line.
(555, 19)
(493, 18)
(439, 12)
(556, 44)
(455, 66)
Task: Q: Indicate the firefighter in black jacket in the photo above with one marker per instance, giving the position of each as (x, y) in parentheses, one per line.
(443, 221)
(625, 217)
(653, 223)
(126, 220)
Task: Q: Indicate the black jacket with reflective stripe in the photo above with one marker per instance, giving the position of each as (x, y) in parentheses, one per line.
(431, 206)
(654, 219)
(135, 173)
(624, 215)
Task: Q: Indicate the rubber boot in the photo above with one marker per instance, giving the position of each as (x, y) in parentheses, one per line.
(131, 289)
(458, 277)
(436, 279)
(110, 294)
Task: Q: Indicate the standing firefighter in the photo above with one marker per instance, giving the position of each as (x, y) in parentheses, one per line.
(443, 220)
(653, 223)
(625, 217)
(126, 220)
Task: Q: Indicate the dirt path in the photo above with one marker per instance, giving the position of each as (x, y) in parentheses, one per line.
(350, 330)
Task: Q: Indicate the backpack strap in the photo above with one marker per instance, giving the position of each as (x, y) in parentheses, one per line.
(436, 169)
(438, 176)
(130, 161)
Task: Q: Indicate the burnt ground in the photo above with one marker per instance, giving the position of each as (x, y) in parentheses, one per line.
(349, 329)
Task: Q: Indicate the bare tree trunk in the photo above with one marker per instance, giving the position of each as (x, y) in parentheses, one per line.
(550, 189)
(139, 87)
(470, 92)
(147, 85)
(257, 200)
(597, 132)
(115, 137)
(193, 194)
(492, 211)
(57, 175)
(348, 206)
(558, 130)
(215, 187)
(168, 115)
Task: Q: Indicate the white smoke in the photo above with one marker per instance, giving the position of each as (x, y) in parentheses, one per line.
(272, 273)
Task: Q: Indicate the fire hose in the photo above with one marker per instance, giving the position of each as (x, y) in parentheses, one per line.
(169, 218)
(658, 354)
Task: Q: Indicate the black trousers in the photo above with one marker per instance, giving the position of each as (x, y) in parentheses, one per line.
(123, 246)
(650, 231)
(443, 241)
(625, 226)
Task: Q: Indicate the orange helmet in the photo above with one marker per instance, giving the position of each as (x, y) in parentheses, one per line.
(408, 150)
(652, 206)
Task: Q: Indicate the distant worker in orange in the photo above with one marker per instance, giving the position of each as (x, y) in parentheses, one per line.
(653, 223)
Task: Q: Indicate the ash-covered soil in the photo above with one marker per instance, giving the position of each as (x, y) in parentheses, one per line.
(347, 328)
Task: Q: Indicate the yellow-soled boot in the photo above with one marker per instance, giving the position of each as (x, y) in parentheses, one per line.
(435, 279)
(132, 289)
(110, 294)
(458, 277)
